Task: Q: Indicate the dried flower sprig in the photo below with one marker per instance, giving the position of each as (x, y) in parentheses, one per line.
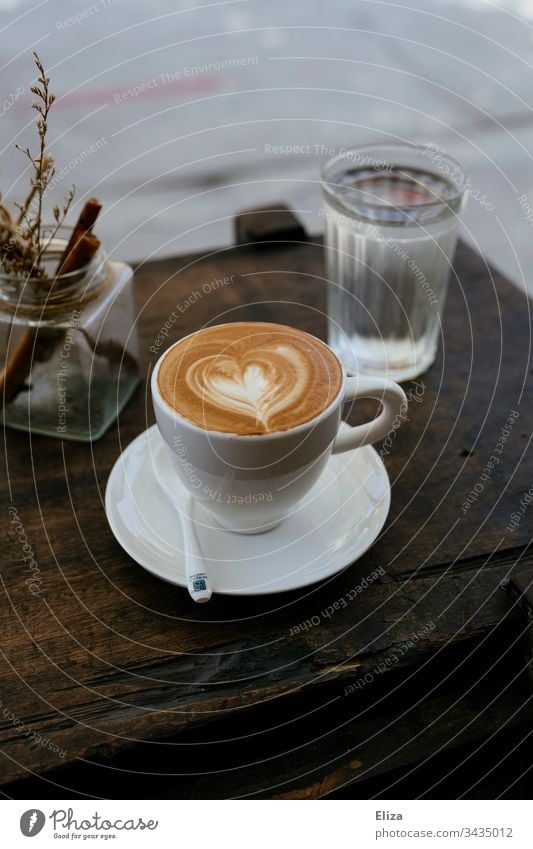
(22, 242)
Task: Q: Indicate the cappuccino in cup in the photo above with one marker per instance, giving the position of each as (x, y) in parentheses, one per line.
(249, 378)
(250, 413)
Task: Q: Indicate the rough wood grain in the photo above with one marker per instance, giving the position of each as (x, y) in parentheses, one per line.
(104, 655)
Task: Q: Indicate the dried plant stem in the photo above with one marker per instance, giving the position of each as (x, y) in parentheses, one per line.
(23, 244)
(25, 206)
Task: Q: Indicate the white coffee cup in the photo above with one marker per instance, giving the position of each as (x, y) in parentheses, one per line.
(250, 483)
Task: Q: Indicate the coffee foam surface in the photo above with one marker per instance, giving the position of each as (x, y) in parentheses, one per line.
(249, 377)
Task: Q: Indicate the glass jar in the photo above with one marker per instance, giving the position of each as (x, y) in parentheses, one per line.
(69, 349)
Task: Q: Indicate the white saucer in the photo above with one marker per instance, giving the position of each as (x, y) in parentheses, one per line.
(336, 523)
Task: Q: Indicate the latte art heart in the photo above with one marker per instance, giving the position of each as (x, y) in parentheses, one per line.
(249, 378)
(249, 392)
(267, 381)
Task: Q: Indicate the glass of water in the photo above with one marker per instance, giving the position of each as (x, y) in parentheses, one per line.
(391, 220)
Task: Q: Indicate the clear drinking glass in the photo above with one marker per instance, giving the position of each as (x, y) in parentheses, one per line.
(391, 222)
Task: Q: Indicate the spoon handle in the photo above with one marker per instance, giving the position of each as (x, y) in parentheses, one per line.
(198, 583)
(199, 586)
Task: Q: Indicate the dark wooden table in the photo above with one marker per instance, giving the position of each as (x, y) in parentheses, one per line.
(113, 683)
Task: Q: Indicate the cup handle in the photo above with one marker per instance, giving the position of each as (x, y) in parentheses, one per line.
(393, 400)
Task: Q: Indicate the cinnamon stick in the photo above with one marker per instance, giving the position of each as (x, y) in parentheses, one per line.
(81, 248)
(88, 215)
(81, 254)
(17, 365)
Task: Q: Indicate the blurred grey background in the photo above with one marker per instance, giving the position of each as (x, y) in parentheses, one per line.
(179, 114)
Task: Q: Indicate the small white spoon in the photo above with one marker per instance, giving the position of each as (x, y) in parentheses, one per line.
(198, 582)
